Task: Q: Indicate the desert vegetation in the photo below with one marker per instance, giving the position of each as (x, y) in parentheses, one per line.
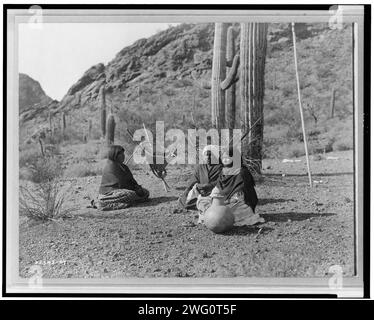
(177, 76)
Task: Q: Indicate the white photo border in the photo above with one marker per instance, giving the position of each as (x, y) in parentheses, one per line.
(353, 286)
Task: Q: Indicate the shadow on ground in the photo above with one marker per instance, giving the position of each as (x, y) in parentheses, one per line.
(264, 201)
(292, 216)
(315, 175)
(247, 230)
(155, 201)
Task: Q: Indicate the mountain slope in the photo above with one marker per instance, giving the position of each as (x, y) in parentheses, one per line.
(167, 77)
(32, 98)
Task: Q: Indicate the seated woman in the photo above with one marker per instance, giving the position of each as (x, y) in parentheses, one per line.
(204, 179)
(238, 188)
(118, 189)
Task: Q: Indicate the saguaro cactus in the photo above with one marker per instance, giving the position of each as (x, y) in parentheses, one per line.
(253, 44)
(103, 118)
(218, 74)
(50, 121)
(110, 125)
(89, 129)
(230, 92)
(63, 122)
(223, 104)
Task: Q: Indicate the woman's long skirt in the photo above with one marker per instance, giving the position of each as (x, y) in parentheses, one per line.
(120, 199)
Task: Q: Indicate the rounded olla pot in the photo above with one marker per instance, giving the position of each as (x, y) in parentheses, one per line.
(218, 217)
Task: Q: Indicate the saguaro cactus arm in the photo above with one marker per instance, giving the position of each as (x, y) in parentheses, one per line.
(232, 76)
(218, 74)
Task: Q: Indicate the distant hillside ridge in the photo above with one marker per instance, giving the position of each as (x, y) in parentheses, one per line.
(32, 98)
(167, 78)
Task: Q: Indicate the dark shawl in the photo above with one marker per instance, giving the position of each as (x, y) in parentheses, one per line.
(243, 181)
(116, 175)
(204, 174)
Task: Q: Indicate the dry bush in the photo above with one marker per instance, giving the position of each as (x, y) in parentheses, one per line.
(43, 201)
(44, 169)
(343, 143)
(28, 156)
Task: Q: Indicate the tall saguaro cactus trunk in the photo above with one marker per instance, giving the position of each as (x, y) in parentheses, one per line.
(253, 45)
(63, 123)
(218, 74)
(103, 118)
(110, 126)
(230, 92)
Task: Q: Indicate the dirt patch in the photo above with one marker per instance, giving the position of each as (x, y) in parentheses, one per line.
(306, 230)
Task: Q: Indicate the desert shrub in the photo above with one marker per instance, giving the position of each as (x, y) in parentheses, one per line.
(272, 118)
(44, 169)
(44, 198)
(28, 156)
(43, 201)
(79, 170)
(183, 83)
(296, 150)
(169, 92)
(343, 143)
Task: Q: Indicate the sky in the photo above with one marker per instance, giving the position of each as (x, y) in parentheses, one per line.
(58, 54)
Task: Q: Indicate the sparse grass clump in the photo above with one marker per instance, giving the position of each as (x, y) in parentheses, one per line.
(44, 169)
(342, 144)
(28, 156)
(44, 199)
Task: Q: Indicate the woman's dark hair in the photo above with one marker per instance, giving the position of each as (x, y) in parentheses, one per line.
(114, 151)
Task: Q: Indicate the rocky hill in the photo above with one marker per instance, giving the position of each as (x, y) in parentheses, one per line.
(167, 77)
(32, 98)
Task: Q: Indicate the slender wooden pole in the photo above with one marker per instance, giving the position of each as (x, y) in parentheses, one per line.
(332, 103)
(300, 105)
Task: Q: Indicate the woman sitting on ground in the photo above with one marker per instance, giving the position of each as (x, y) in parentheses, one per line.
(204, 179)
(119, 189)
(238, 188)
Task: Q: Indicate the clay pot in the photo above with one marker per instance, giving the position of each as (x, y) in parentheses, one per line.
(218, 217)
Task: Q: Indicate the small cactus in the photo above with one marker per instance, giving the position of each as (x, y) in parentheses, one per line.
(103, 118)
(89, 129)
(63, 122)
(50, 121)
(110, 125)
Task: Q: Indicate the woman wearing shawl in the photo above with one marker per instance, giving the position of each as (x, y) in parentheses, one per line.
(203, 180)
(237, 186)
(118, 188)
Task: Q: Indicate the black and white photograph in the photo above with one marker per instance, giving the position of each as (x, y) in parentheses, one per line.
(185, 150)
